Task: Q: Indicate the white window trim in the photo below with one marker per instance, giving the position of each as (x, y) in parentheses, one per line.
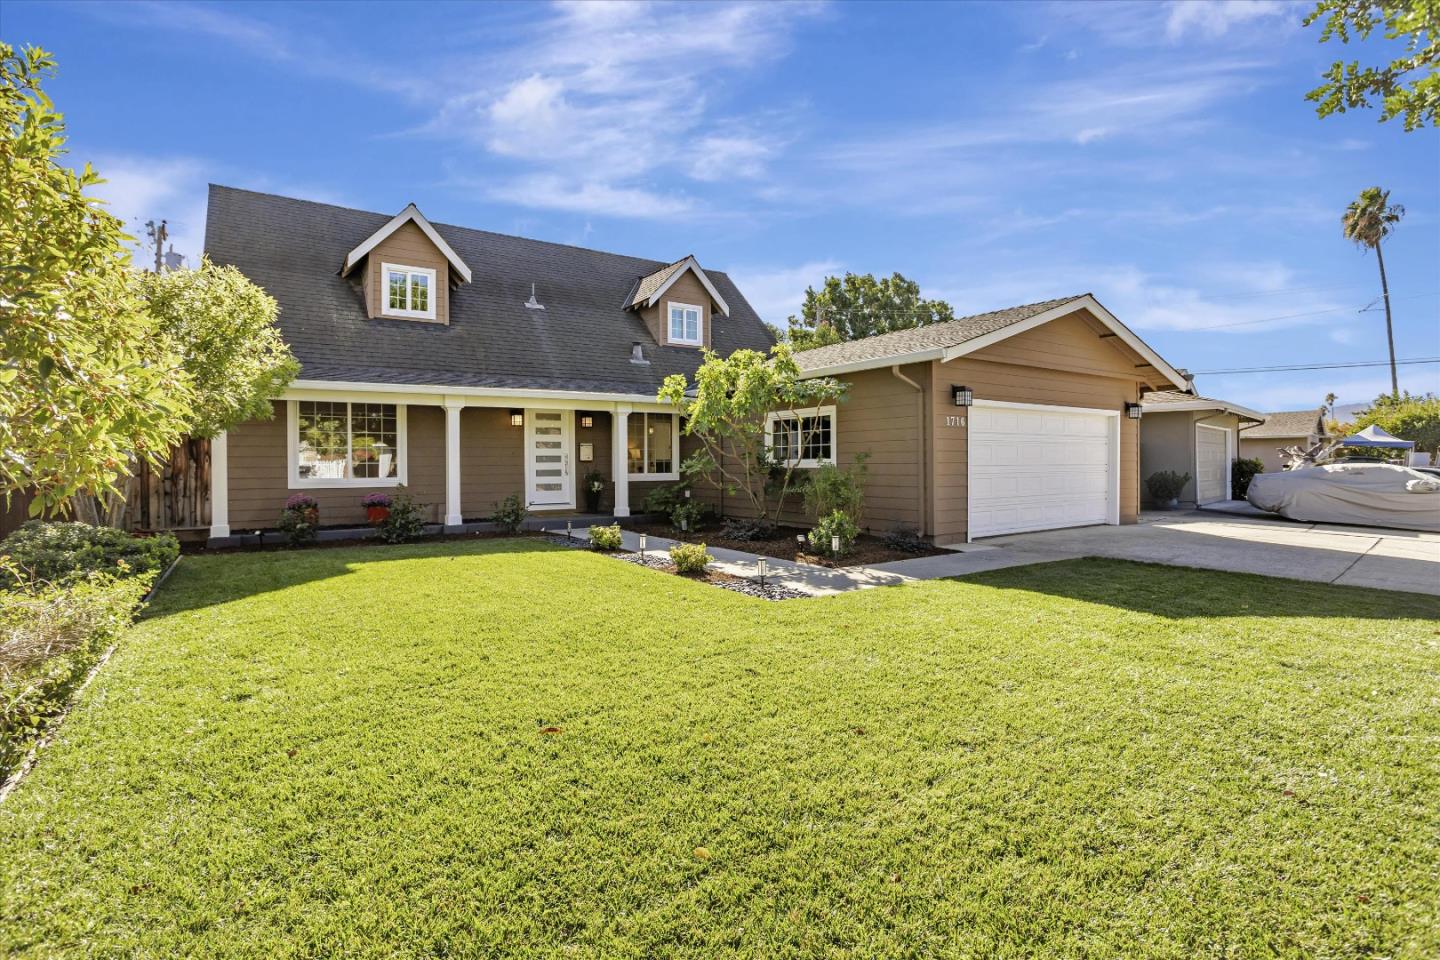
(387, 311)
(292, 441)
(699, 324)
(778, 415)
(645, 453)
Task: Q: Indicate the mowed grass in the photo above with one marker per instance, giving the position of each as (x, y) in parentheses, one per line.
(343, 753)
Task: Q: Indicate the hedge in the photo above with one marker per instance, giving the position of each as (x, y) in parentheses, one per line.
(54, 552)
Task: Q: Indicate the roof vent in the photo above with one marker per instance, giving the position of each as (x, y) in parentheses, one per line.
(637, 353)
(532, 303)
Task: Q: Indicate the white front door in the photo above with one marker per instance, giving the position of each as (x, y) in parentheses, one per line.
(1212, 463)
(549, 480)
(1035, 467)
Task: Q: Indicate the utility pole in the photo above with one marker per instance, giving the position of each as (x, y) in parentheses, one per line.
(158, 236)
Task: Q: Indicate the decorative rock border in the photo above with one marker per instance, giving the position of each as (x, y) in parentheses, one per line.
(656, 560)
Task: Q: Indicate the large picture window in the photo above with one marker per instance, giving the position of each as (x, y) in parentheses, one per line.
(408, 291)
(802, 438)
(653, 447)
(339, 443)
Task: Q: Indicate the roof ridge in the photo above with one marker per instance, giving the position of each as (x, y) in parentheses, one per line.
(457, 226)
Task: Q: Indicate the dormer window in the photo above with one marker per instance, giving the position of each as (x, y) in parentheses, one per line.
(409, 292)
(685, 322)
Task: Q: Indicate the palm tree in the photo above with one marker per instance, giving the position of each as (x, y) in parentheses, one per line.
(1366, 222)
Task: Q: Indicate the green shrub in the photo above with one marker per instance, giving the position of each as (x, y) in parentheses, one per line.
(1165, 485)
(689, 558)
(50, 637)
(606, 538)
(831, 488)
(747, 530)
(510, 513)
(1242, 471)
(836, 524)
(686, 516)
(300, 520)
(405, 522)
(56, 552)
(662, 500)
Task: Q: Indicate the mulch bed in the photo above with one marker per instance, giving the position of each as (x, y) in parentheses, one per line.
(868, 549)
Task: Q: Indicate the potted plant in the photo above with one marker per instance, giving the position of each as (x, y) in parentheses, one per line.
(300, 519)
(1165, 487)
(377, 508)
(594, 487)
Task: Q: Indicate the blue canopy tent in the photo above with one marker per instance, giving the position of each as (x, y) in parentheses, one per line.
(1373, 436)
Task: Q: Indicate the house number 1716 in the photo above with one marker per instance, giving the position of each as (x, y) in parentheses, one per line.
(954, 421)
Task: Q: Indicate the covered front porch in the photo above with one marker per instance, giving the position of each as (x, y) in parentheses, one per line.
(458, 453)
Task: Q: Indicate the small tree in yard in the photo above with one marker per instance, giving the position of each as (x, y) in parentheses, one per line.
(86, 383)
(727, 412)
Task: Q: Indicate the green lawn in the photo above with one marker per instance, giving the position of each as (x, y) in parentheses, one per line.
(342, 753)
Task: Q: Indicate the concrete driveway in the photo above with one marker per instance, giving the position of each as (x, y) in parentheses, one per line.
(1352, 556)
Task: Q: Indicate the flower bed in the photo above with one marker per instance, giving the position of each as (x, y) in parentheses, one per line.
(782, 545)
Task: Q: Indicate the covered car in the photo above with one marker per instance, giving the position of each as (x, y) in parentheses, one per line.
(1369, 494)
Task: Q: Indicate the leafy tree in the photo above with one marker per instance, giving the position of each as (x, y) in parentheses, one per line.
(223, 326)
(1408, 86)
(1408, 416)
(728, 411)
(857, 306)
(1366, 222)
(86, 382)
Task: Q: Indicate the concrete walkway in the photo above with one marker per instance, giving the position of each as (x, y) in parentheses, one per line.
(824, 581)
(1352, 556)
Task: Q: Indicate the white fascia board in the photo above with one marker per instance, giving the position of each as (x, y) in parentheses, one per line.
(310, 389)
(1234, 408)
(411, 214)
(693, 266)
(874, 363)
(1070, 306)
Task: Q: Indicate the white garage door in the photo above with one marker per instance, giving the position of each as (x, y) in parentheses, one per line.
(1212, 463)
(1034, 468)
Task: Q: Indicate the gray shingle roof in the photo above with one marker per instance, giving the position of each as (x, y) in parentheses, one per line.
(580, 341)
(1287, 423)
(936, 336)
(655, 281)
(1163, 398)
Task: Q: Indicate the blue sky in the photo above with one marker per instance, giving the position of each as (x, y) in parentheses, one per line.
(1160, 155)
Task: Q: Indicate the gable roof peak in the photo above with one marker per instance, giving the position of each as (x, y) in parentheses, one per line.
(411, 214)
(649, 289)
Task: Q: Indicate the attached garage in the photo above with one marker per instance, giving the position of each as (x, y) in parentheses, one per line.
(1018, 420)
(1036, 467)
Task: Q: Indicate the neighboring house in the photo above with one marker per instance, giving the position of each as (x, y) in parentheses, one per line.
(464, 364)
(1015, 420)
(1288, 428)
(1193, 435)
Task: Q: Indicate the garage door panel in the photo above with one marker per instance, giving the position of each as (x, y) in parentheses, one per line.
(1211, 464)
(1038, 470)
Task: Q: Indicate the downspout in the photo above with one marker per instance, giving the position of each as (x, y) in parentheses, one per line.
(919, 444)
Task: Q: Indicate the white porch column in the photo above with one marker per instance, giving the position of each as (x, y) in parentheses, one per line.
(619, 458)
(453, 516)
(219, 486)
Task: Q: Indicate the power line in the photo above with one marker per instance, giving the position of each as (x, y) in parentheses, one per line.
(1321, 366)
(1292, 316)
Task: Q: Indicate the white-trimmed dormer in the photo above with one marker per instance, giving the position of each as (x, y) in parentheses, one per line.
(678, 303)
(409, 270)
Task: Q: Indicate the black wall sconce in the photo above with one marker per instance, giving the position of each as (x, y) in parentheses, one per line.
(963, 396)
(1133, 411)
(517, 418)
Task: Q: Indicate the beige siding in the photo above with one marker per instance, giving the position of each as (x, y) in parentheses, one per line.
(1267, 450)
(409, 247)
(1074, 343)
(1167, 442)
(259, 464)
(688, 290)
(491, 460)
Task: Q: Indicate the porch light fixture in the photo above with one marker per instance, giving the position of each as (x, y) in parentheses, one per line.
(761, 566)
(517, 418)
(963, 396)
(1133, 411)
(587, 422)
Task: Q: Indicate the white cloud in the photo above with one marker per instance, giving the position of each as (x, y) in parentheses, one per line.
(777, 293)
(140, 189)
(551, 192)
(1214, 18)
(725, 158)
